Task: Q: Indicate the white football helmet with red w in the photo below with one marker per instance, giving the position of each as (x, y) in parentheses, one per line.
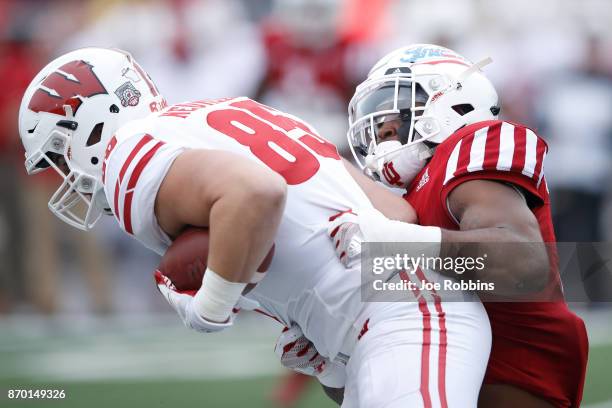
(413, 99)
(68, 114)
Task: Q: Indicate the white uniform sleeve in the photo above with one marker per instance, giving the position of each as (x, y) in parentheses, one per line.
(133, 172)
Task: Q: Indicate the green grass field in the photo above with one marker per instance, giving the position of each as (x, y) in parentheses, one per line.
(598, 387)
(249, 393)
(170, 368)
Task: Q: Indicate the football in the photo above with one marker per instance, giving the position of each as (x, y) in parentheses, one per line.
(184, 263)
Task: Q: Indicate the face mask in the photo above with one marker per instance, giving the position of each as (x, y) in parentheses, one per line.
(400, 168)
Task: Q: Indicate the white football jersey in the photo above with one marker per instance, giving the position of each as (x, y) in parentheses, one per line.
(305, 283)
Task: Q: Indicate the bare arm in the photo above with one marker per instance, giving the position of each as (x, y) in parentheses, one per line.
(391, 205)
(239, 200)
(491, 213)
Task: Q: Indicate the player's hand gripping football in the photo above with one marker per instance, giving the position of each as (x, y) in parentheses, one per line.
(182, 303)
(297, 353)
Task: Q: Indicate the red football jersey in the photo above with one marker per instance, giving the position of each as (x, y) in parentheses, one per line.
(540, 347)
(326, 66)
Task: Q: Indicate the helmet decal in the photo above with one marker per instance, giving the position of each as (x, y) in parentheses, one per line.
(128, 94)
(66, 86)
(431, 54)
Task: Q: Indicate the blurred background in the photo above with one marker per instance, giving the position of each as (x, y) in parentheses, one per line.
(79, 311)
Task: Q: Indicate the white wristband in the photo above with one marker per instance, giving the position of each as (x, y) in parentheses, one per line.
(403, 232)
(425, 240)
(217, 297)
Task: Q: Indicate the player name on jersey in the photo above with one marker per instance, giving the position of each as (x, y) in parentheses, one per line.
(182, 110)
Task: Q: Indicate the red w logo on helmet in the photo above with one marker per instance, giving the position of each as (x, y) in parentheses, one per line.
(61, 87)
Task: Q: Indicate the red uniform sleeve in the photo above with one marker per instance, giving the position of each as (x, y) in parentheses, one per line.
(501, 151)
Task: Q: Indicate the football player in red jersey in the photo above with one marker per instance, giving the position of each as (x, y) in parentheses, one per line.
(425, 119)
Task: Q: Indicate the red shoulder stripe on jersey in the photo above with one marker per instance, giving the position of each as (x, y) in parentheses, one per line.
(492, 147)
(143, 141)
(540, 154)
(141, 165)
(451, 164)
(464, 154)
(531, 156)
(541, 177)
(520, 149)
(127, 205)
(502, 146)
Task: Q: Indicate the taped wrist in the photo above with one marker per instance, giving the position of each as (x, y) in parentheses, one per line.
(217, 296)
(425, 239)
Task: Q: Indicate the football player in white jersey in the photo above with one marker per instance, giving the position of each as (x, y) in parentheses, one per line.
(255, 177)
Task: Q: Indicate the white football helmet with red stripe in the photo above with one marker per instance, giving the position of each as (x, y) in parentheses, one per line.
(413, 99)
(68, 114)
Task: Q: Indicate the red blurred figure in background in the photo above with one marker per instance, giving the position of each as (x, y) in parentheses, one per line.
(15, 51)
(315, 53)
(25, 227)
